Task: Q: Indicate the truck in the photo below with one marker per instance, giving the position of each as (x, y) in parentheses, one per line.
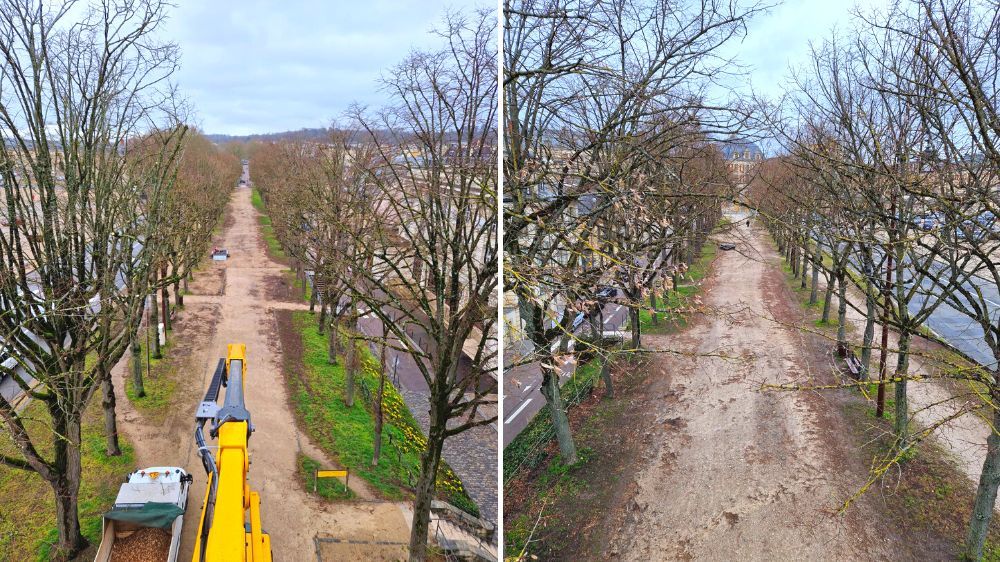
(145, 522)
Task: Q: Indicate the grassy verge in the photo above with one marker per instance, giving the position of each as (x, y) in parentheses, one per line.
(563, 499)
(27, 519)
(683, 296)
(347, 433)
(326, 488)
(926, 495)
(159, 383)
(273, 246)
(528, 449)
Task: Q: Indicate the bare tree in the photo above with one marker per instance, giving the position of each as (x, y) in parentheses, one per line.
(81, 211)
(596, 94)
(432, 264)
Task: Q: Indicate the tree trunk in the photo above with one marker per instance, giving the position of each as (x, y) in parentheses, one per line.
(866, 345)
(429, 461)
(564, 342)
(110, 419)
(67, 487)
(827, 299)
(140, 390)
(331, 345)
(321, 321)
(606, 377)
(312, 301)
(842, 314)
(378, 405)
(154, 323)
(805, 264)
(165, 302)
(550, 389)
(350, 368)
(633, 316)
(986, 494)
(652, 309)
(178, 295)
(813, 294)
(901, 425)
(597, 323)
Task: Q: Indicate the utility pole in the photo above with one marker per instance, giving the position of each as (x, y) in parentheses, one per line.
(165, 298)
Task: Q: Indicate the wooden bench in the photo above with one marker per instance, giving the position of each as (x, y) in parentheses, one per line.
(853, 364)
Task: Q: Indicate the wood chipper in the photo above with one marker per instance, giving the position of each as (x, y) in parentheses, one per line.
(230, 528)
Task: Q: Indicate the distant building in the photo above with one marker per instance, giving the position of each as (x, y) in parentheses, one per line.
(742, 158)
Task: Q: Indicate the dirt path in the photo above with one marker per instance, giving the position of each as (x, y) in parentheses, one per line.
(730, 468)
(242, 313)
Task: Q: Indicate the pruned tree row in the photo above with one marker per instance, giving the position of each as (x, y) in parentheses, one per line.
(889, 184)
(397, 219)
(105, 199)
(613, 176)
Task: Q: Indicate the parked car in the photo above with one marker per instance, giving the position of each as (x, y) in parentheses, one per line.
(971, 230)
(925, 222)
(604, 293)
(988, 221)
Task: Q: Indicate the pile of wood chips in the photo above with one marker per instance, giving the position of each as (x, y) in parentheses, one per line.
(144, 545)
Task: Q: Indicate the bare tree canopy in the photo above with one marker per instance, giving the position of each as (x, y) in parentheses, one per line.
(610, 174)
(91, 139)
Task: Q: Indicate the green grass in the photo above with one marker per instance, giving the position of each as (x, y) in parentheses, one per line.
(160, 384)
(27, 520)
(346, 433)
(566, 497)
(256, 200)
(266, 227)
(683, 296)
(668, 322)
(327, 488)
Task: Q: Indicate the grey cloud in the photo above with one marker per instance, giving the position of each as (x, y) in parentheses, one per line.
(260, 66)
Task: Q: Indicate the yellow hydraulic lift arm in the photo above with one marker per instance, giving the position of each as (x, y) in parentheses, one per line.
(224, 531)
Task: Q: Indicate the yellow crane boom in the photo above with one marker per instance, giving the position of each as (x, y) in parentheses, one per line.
(229, 528)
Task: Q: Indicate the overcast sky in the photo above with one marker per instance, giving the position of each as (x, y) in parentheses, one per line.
(263, 66)
(780, 38)
(260, 66)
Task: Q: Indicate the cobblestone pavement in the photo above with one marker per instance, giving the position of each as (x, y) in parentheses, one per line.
(471, 454)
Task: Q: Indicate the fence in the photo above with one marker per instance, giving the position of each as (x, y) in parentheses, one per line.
(527, 449)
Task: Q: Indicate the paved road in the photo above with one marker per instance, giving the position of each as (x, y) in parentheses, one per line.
(521, 395)
(948, 323)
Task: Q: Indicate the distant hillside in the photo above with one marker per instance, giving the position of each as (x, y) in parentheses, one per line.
(313, 135)
(319, 134)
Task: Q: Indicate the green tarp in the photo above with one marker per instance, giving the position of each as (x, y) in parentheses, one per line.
(152, 514)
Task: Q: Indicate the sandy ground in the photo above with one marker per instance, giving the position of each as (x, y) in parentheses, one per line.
(293, 517)
(731, 468)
